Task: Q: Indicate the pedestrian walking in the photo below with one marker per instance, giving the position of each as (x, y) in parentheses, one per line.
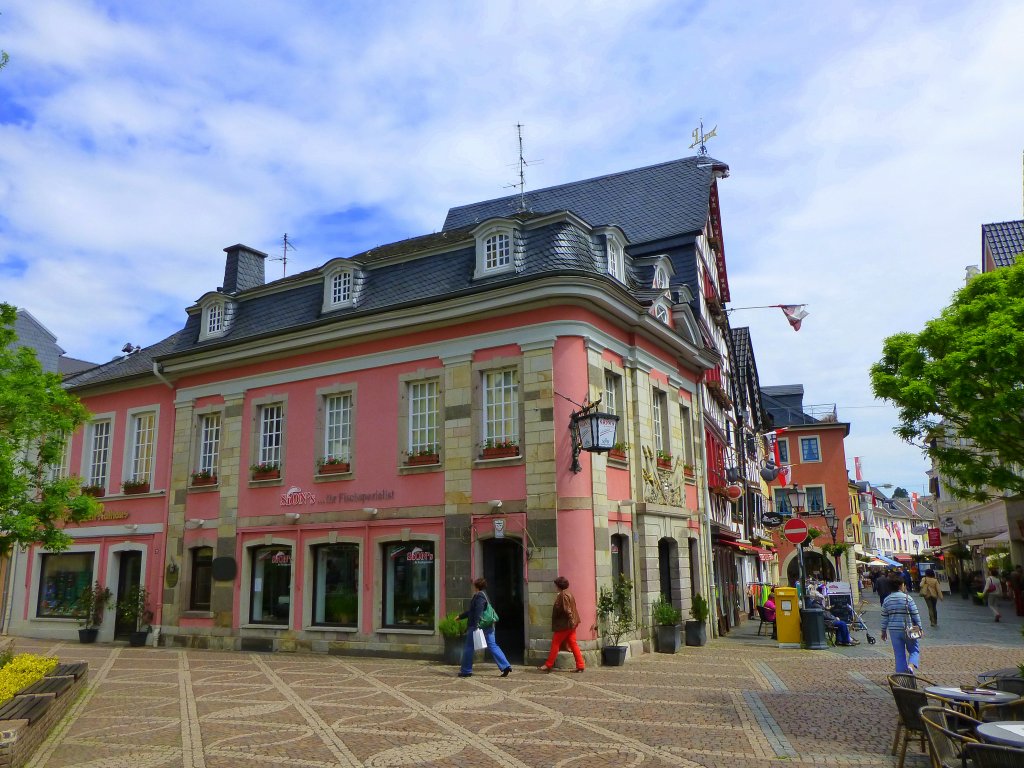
(1017, 585)
(564, 620)
(477, 620)
(991, 592)
(908, 580)
(932, 593)
(899, 612)
(884, 586)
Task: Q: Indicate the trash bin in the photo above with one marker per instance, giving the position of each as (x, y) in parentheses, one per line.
(812, 624)
(787, 617)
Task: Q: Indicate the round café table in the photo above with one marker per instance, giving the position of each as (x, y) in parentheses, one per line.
(1008, 732)
(972, 698)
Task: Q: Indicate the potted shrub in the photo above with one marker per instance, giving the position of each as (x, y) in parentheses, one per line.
(696, 630)
(132, 487)
(332, 465)
(666, 625)
(453, 630)
(134, 607)
(428, 455)
(664, 460)
(618, 451)
(204, 477)
(615, 618)
(266, 470)
(93, 490)
(90, 607)
(500, 449)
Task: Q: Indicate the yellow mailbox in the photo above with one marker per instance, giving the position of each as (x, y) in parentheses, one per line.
(787, 617)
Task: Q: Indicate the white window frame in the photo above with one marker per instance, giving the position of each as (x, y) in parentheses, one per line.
(503, 426)
(339, 423)
(661, 313)
(332, 300)
(214, 318)
(659, 420)
(424, 433)
(208, 435)
(89, 451)
(807, 499)
(613, 401)
(486, 262)
(261, 452)
(660, 277)
(138, 465)
(817, 443)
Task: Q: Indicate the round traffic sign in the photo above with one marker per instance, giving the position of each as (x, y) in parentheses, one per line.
(795, 530)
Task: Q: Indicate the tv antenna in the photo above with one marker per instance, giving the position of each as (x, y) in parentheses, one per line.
(523, 162)
(283, 258)
(699, 137)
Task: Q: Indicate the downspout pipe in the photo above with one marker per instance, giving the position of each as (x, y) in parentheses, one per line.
(158, 372)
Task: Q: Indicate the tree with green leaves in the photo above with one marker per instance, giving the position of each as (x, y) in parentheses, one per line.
(959, 386)
(900, 493)
(37, 418)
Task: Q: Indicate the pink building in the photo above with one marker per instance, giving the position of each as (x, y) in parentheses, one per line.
(329, 459)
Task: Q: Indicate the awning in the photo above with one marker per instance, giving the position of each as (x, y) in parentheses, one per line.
(905, 558)
(889, 560)
(993, 538)
(764, 555)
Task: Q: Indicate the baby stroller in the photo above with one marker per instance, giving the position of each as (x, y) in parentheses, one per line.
(839, 600)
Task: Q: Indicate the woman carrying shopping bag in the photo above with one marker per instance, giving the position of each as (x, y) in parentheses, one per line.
(902, 622)
(481, 619)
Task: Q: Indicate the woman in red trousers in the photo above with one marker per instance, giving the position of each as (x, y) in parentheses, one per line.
(564, 620)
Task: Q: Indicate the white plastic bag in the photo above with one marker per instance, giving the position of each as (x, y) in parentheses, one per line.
(479, 641)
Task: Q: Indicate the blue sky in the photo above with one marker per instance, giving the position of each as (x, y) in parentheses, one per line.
(868, 142)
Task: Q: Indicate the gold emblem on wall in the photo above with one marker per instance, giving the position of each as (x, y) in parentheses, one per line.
(662, 485)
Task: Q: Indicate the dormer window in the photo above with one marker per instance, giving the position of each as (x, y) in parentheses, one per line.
(660, 278)
(661, 312)
(339, 288)
(615, 252)
(495, 249)
(217, 312)
(214, 319)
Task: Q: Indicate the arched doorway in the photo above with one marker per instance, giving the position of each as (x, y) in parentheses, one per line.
(503, 569)
(818, 567)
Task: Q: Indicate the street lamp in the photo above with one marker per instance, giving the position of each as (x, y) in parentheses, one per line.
(796, 499)
(832, 521)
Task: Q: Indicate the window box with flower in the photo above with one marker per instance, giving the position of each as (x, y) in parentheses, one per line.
(688, 472)
(204, 477)
(333, 465)
(430, 454)
(133, 487)
(618, 452)
(500, 449)
(664, 460)
(265, 470)
(93, 490)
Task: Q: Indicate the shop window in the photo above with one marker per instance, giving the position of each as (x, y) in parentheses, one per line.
(202, 579)
(336, 585)
(408, 588)
(271, 587)
(620, 555)
(62, 578)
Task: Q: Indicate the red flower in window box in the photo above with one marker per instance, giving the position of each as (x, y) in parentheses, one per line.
(265, 471)
(332, 465)
(664, 460)
(617, 454)
(93, 490)
(500, 449)
(203, 477)
(132, 487)
(421, 459)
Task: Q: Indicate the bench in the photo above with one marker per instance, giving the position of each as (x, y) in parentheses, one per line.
(25, 707)
(54, 685)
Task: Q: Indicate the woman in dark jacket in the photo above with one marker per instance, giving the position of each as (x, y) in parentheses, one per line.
(477, 606)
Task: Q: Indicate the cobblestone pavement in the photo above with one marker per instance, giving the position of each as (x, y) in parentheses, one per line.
(738, 702)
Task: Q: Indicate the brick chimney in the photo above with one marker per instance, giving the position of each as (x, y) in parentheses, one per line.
(243, 268)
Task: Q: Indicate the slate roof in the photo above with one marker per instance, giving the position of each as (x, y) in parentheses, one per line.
(1004, 240)
(30, 333)
(783, 408)
(649, 204)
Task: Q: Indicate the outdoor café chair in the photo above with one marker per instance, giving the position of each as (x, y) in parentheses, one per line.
(905, 680)
(994, 756)
(991, 713)
(909, 702)
(762, 614)
(947, 732)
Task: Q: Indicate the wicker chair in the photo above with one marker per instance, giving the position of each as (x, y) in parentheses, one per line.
(905, 680)
(947, 732)
(1013, 710)
(909, 702)
(994, 756)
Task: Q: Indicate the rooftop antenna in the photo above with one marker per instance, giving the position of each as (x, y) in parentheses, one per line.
(521, 204)
(699, 138)
(283, 258)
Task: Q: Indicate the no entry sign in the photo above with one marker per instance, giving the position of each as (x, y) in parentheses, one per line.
(795, 530)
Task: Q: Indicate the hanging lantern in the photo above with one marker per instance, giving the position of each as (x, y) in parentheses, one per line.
(597, 431)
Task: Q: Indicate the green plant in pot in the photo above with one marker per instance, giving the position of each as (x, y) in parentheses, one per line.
(666, 625)
(615, 619)
(134, 608)
(89, 608)
(453, 630)
(696, 630)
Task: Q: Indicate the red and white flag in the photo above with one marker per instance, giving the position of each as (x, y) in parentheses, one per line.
(795, 313)
(913, 502)
(856, 468)
(785, 475)
(773, 444)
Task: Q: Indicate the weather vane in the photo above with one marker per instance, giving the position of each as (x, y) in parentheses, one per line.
(699, 137)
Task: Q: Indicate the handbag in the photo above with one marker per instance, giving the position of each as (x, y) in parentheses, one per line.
(488, 618)
(912, 631)
(479, 641)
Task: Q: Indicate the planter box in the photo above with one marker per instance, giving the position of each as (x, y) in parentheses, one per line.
(614, 655)
(617, 455)
(136, 489)
(333, 469)
(696, 633)
(138, 639)
(97, 492)
(419, 461)
(664, 463)
(501, 453)
(453, 649)
(199, 482)
(28, 718)
(86, 636)
(274, 474)
(668, 638)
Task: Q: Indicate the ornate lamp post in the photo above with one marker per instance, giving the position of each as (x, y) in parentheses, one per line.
(832, 521)
(796, 498)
